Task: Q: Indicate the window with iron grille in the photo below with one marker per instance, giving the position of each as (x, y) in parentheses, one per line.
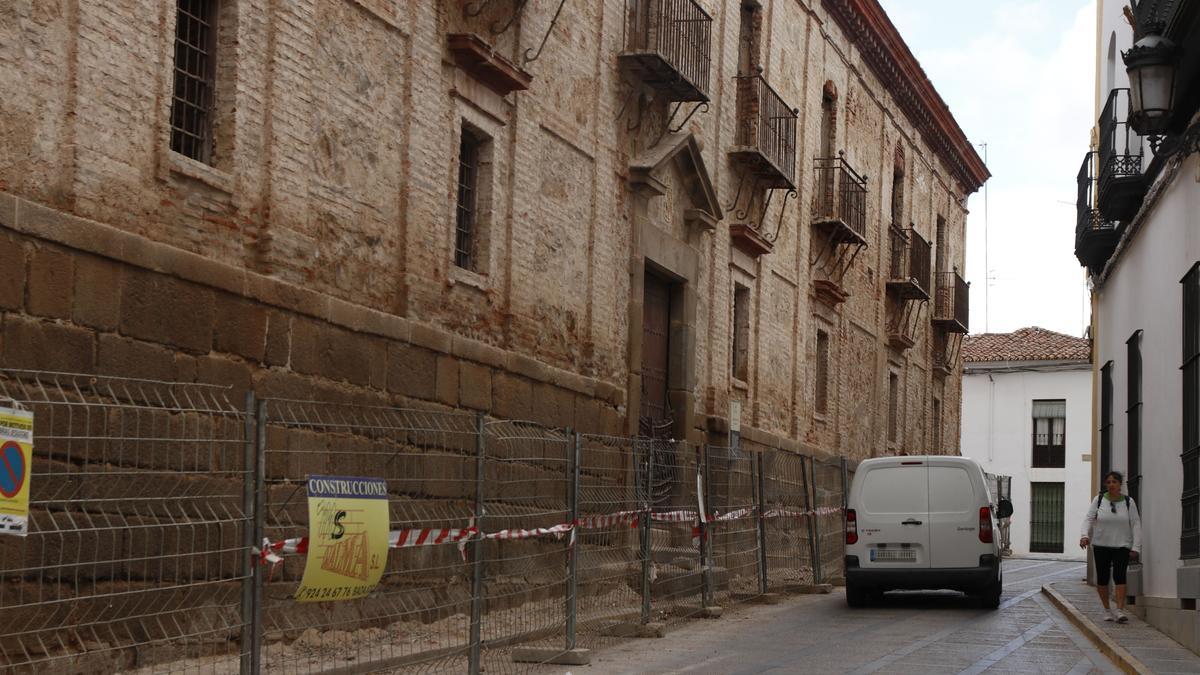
(1133, 417)
(893, 407)
(195, 61)
(822, 388)
(937, 426)
(741, 332)
(1106, 419)
(1189, 536)
(1049, 434)
(1046, 518)
(472, 149)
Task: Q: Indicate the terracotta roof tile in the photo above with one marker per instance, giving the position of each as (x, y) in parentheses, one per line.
(1026, 344)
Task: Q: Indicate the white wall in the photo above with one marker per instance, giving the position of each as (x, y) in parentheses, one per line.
(1143, 292)
(997, 431)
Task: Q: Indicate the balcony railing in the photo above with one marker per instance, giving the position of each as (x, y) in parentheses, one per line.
(952, 306)
(1095, 237)
(766, 130)
(1121, 182)
(668, 44)
(908, 264)
(841, 198)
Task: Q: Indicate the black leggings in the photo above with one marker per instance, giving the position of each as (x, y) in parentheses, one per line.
(1117, 558)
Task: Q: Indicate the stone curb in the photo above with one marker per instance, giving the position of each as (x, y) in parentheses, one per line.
(1115, 652)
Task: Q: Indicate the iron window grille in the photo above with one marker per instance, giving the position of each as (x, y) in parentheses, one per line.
(822, 389)
(741, 332)
(1106, 419)
(192, 98)
(1120, 145)
(893, 428)
(1046, 518)
(1133, 417)
(1189, 536)
(467, 207)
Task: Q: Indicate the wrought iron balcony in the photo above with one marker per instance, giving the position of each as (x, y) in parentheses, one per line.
(1122, 185)
(1095, 237)
(766, 132)
(951, 309)
(908, 264)
(840, 204)
(668, 45)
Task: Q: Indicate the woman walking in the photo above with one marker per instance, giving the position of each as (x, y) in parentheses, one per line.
(1114, 529)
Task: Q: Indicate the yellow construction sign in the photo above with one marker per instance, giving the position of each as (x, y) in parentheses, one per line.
(16, 463)
(347, 538)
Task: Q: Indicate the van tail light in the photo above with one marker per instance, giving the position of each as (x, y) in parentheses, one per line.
(985, 524)
(851, 527)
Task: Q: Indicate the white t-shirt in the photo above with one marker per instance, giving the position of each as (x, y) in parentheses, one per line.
(1122, 529)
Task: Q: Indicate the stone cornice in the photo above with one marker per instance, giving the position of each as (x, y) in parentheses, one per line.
(885, 52)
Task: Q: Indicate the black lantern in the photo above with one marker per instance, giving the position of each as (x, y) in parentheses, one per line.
(1151, 67)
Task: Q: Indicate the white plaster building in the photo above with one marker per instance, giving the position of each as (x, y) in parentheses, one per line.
(1027, 414)
(1139, 236)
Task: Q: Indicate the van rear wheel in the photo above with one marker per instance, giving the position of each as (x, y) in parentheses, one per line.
(990, 597)
(856, 596)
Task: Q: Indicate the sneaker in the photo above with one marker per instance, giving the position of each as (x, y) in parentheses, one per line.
(1108, 615)
(1121, 618)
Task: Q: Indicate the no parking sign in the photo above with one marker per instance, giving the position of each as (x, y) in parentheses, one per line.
(16, 459)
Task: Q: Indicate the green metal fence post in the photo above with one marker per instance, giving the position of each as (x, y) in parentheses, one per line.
(249, 515)
(762, 524)
(573, 542)
(644, 532)
(473, 663)
(813, 554)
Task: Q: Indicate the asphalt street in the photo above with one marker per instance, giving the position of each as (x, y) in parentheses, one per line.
(905, 633)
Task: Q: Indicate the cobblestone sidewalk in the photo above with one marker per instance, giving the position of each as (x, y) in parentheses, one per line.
(1136, 647)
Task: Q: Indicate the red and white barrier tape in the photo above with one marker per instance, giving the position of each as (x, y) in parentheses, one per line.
(406, 538)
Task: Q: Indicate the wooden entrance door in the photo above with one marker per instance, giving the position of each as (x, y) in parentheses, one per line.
(656, 418)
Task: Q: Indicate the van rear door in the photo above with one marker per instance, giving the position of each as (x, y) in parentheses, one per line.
(954, 502)
(893, 517)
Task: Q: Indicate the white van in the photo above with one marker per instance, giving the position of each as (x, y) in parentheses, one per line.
(922, 523)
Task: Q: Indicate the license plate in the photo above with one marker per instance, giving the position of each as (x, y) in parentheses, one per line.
(893, 555)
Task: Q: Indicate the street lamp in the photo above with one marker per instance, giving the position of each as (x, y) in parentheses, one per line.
(1151, 67)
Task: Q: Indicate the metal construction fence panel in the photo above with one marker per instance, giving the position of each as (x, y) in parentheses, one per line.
(138, 525)
(169, 534)
(829, 478)
(788, 532)
(732, 528)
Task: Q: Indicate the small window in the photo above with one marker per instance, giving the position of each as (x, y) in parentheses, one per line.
(893, 429)
(898, 188)
(1106, 418)
(194, 82)
(822, 390)
(1189, 537)
(1049, 434)
(828, 120)
(937, 426)
(473, 183)
(941, 246)
(1133, 417)
(1046, 518)
(741, 332)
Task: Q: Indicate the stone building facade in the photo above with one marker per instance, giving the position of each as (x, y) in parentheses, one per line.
(310, 240)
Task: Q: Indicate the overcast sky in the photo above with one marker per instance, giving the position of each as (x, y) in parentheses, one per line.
(1018, 76)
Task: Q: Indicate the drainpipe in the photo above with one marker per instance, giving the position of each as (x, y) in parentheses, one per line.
(991, 420)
